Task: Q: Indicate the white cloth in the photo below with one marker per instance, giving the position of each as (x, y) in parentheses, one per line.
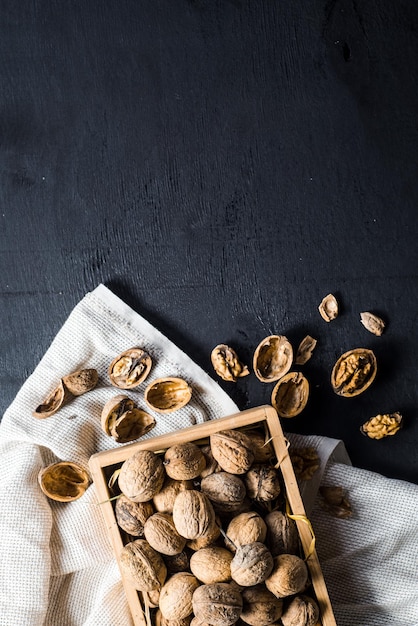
(56, 564)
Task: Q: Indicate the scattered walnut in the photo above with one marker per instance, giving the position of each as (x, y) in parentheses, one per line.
(69, 386)
(81, 382)
(176, 596)
(142, 565)
(63, 481)
(301, 611)
(184, 461)
(232, 450)
(289, 576)
(290, 395)
(335, 502)
(305, 462)
(141, 476)
(372, 323)
(211, 565)
(166, 395)
(130, 368)
(354, 372)
(382, 425)
(218, 604)
(328, 308)
(262, 483)
(226, 363)
(272, 358)
(131, 516)
(252, 564)
(305, 350)
(260, 606)
(53, 402)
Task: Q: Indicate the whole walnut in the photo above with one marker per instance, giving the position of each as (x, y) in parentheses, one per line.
(176, 596)
(161, 534)
(160, 620)
(289, 576)
(245, 528)
(193, 514)
(260, 606)
(212, 465)
(141, 476)
(282, 534)
(164, 500)
(142, 565)
(211, 565)
(208, 539)
(225, 491)
(177, 563)
(261, 446)
(233, 451)
(252, 564)
(301, 611)
(262, 483)
(131, 516)
(219, 604)
(184, 461)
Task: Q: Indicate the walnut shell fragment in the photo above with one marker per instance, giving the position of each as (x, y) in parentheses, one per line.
(130, 368)
(123, 421)
(218, 604)
(328, 308)
(141, 476)
(382, 425)
(226, 363)
(166, 395)
(64, 481)
(290, 395)
(372, 323)
(305, 350)
(81, 382)
(142, 565)
(233, 451)
(305, 461)
(301, 611)
(272, 358)
(53, 402)
(335, 501)
(354, 372)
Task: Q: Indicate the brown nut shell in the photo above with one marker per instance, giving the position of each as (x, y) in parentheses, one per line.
(132, 425)
(289, 576)
(218, 604)
(184, 461)
(328, 308)
(372, 323)
(272, 358)
(193, 514)
(354, 372)
(64, 481)
(161, 534)
(142, 565)
(226, 363)
(176, 596)
(282, 533)
(141, 476)
(260, 606)
(301, 611)
(166, 395)
(245, 528)
(131, 516)
(233, 450)
(290, 395)
(81, 381)
(305, 350)
(130, 368)
(211, 565)
(112, 411)
(164, 500)
(252, 564)
(53, 402)
(262, 483)
(225, 491)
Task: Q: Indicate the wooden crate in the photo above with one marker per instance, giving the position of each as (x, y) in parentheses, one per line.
(103, 464)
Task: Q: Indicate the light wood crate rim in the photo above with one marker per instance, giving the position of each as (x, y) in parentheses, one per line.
(250, 417)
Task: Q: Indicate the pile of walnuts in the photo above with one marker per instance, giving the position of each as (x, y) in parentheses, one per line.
(206, 537)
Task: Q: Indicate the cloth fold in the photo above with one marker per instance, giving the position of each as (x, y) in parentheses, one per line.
(56, 563)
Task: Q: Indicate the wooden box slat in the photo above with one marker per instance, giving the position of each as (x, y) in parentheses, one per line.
(103, 461)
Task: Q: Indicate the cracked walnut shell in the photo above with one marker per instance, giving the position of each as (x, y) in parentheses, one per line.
(130, 368)
(63, 481)
(305, 350)
(123, 421)
(328, 308)
(70, 386)
(226, 363)
(290, 395)
(372, 323)
(166, 395)
(354, 372)
(272, 358)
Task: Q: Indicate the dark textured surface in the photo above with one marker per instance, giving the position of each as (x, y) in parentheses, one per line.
(221, 165)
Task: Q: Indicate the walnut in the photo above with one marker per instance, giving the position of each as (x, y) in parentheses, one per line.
(123, 421)
(141, 476)
(63, 481)
(160, 620)
(226, 363)
(161, 534)
(164, 500)
(166, 395)
(382, 425)
(289, 576)
(212, 465)
(177, 563)
(131, 516)
(69, 386)
(176, 596)
(328, 308)
(305, 461)
(305, 350)
(184, 461)
(262, 483)
(372, 323)
(272, 358)
(226, 491)
(290, 395)
(232, 450)
(261, 446)
(130, 368)
(218, 604)
(142, 565)
(208, 539)
(335, 501)
(260, 606)
(245, 528)
(153, 597)
(252, 564)
(301, 611)
(193, 514)
(354, 372)
(211, 565)
(282, 534)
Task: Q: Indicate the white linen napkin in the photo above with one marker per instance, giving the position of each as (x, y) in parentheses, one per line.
(56, 564)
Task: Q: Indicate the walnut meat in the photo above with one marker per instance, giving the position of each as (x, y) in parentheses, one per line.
(262, 483)
(193, 514)
(252, 564)
(211, 565)
(354, 372)
(301, 611)
(176, 596)
(184, 461)
(272, 358)
(131, 516)
(161, 534)
(142, 565)
(219, 604)
(244, 528)
(289, 576)
(232, 450)
(260, 606)
(226, 491)
(290, 395)
(130, 368)
(141, 476)
(226, 363)
(382, 425)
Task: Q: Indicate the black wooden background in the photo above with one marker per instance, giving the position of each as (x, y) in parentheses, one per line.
(221, 165)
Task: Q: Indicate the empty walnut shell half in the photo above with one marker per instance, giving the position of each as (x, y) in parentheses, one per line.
(354, 372)
(372, 323)
(305, 350)
(226, 363)
(290, 395)
(63, 481)
(272, 358)
(165, 395)
(130, 368)
(69, 386)
(53, 402)
(123, 421)
(328, 308)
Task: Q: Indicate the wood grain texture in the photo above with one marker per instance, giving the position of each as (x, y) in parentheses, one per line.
(222, 165)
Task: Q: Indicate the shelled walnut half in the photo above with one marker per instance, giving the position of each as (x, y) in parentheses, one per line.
(226, 363)
(382, 425)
